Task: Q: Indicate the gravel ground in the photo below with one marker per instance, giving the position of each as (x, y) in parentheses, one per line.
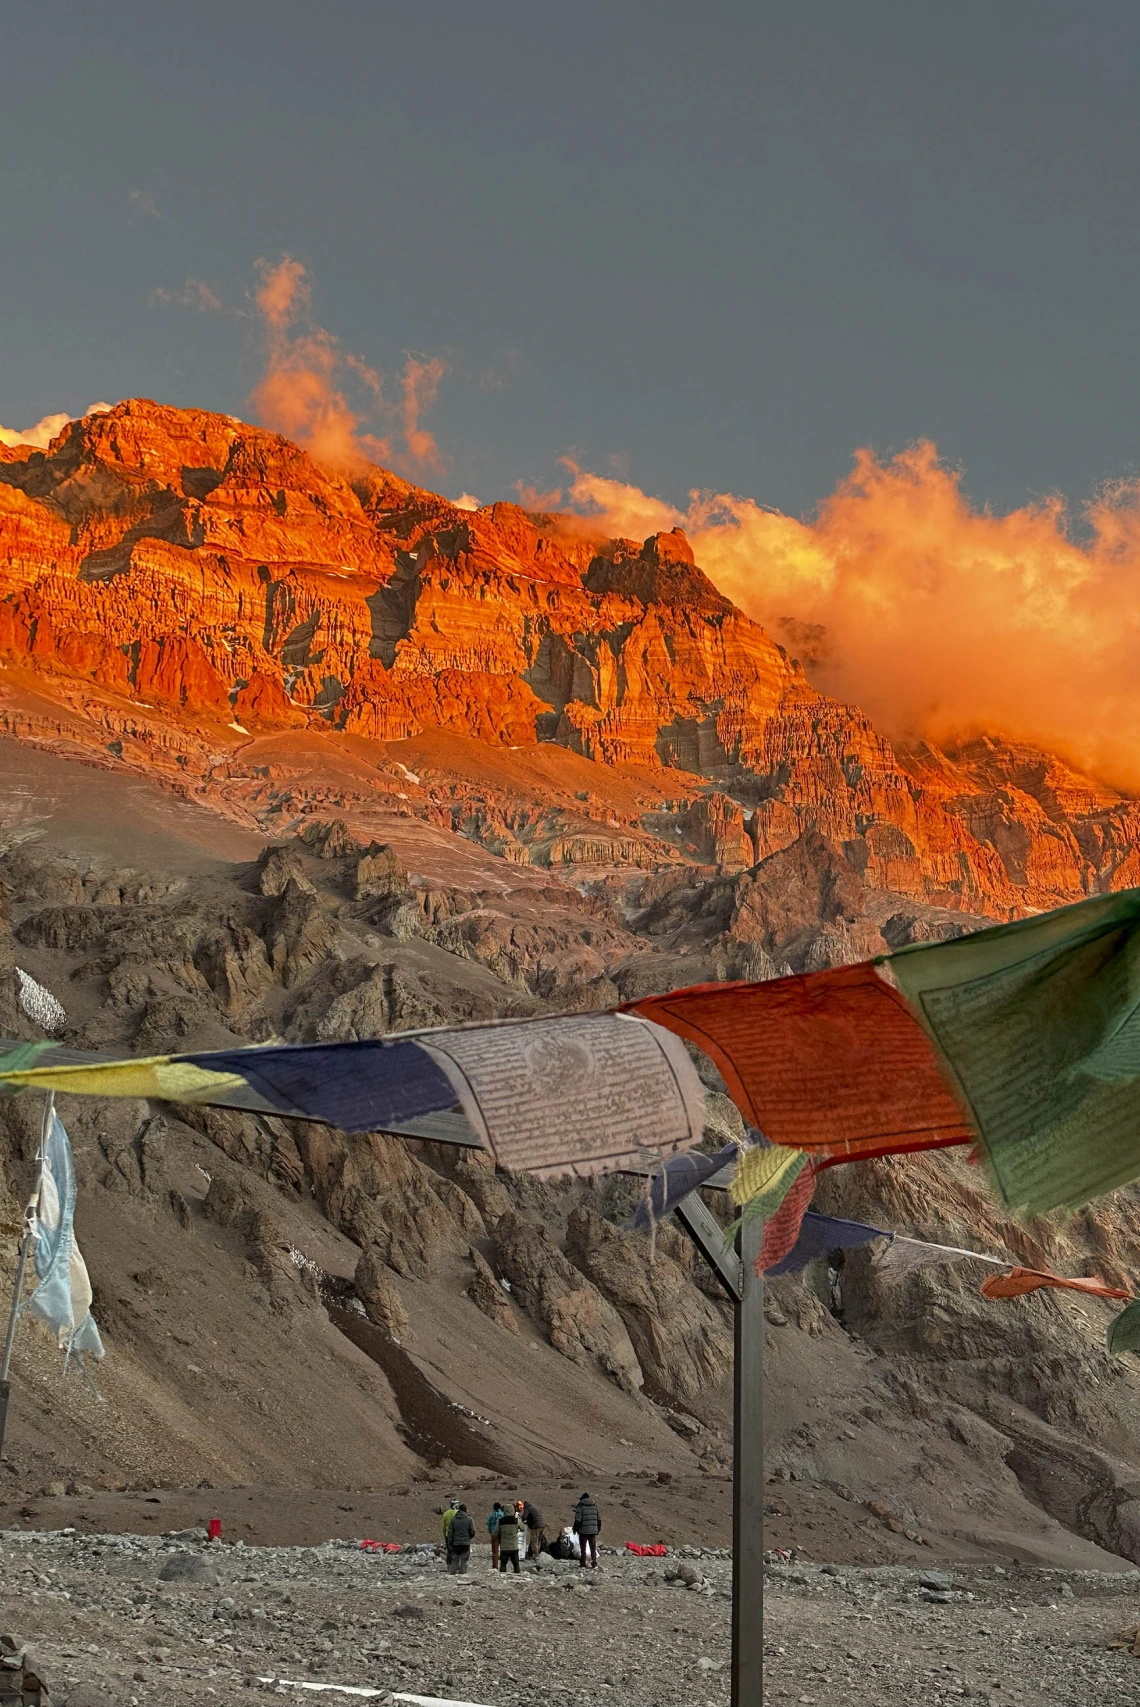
(101, 1617)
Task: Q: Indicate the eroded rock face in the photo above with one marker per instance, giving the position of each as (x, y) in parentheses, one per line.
(683, 1342)
(580, 1323)
(375, 1190)
(377, 1292)
(487, 1295)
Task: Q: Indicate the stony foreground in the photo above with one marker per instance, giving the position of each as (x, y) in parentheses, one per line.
(168, 1622)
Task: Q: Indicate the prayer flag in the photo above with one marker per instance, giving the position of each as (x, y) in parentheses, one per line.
(782, 1229)
(819, 1235)
(1039, 1022)
(361, 1087)
(580, 1094)
(829, 1062)
(764, 1176)
(63, 1297)
(1124, 1330)
(1019, 1281)
(680, 1175)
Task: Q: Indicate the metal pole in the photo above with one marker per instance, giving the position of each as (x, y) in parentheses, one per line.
(21, 1269)
(748, 1478)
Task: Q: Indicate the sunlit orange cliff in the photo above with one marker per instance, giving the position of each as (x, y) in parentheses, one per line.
(186, 594)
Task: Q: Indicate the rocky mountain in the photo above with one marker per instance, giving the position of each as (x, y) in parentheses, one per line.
(179, 586)
(286, 754)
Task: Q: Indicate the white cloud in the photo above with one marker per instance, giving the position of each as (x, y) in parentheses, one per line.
(45, 430)
(466, 502)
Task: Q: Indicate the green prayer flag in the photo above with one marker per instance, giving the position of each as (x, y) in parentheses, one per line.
(19, 1058)
(1124, 1330)
(1038, 1023)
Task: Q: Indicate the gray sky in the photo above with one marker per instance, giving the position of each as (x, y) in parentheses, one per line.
(712, 245)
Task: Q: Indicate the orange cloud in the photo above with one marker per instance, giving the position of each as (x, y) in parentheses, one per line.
(419, 385)
(937, 618)
(531, 498)
(305, 390)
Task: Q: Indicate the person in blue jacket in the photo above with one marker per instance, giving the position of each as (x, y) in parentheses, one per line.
(493, 1523)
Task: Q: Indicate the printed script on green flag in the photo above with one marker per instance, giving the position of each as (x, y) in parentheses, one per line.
(1039, 1025)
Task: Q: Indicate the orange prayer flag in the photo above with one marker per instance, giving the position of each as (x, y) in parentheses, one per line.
(832, 1062)
(1019, 1281)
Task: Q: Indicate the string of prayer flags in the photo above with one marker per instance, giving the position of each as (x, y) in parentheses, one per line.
(1024, 1037)
(833, 1063)
(1018, 1281)
(1039, 1024)
(903, 1256)
(579, 1094)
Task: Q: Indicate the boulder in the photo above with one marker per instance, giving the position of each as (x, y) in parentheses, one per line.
(191, 1569)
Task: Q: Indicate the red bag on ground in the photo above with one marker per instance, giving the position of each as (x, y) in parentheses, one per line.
(657, 1551)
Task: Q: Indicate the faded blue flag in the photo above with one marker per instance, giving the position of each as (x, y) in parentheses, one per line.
(63, 1297)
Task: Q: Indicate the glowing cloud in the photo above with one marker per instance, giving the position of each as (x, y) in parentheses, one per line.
(47, 429)
(466, 502)
(419, 385)
(324, 397)
(936, 618)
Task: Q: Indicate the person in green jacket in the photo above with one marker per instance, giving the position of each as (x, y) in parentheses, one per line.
(587, 1527)
(509, 1540)
(449, 1512)
(493, 1523)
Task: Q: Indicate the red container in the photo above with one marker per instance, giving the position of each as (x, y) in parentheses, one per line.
(215, 1529)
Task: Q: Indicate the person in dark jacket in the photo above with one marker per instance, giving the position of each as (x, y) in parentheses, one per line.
(587, 1527)
(493, 1523)
(535, 1529)
(460, 1535)
(509, 1540)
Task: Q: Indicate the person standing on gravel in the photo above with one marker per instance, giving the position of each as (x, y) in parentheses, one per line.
(460, 1534)
(493, 1523)
(449, 1512)
(530, 1515)
(509, 1540)
(587, 1527)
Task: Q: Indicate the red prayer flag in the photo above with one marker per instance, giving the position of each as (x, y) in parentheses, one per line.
(783, 1229)
(829, 1062)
